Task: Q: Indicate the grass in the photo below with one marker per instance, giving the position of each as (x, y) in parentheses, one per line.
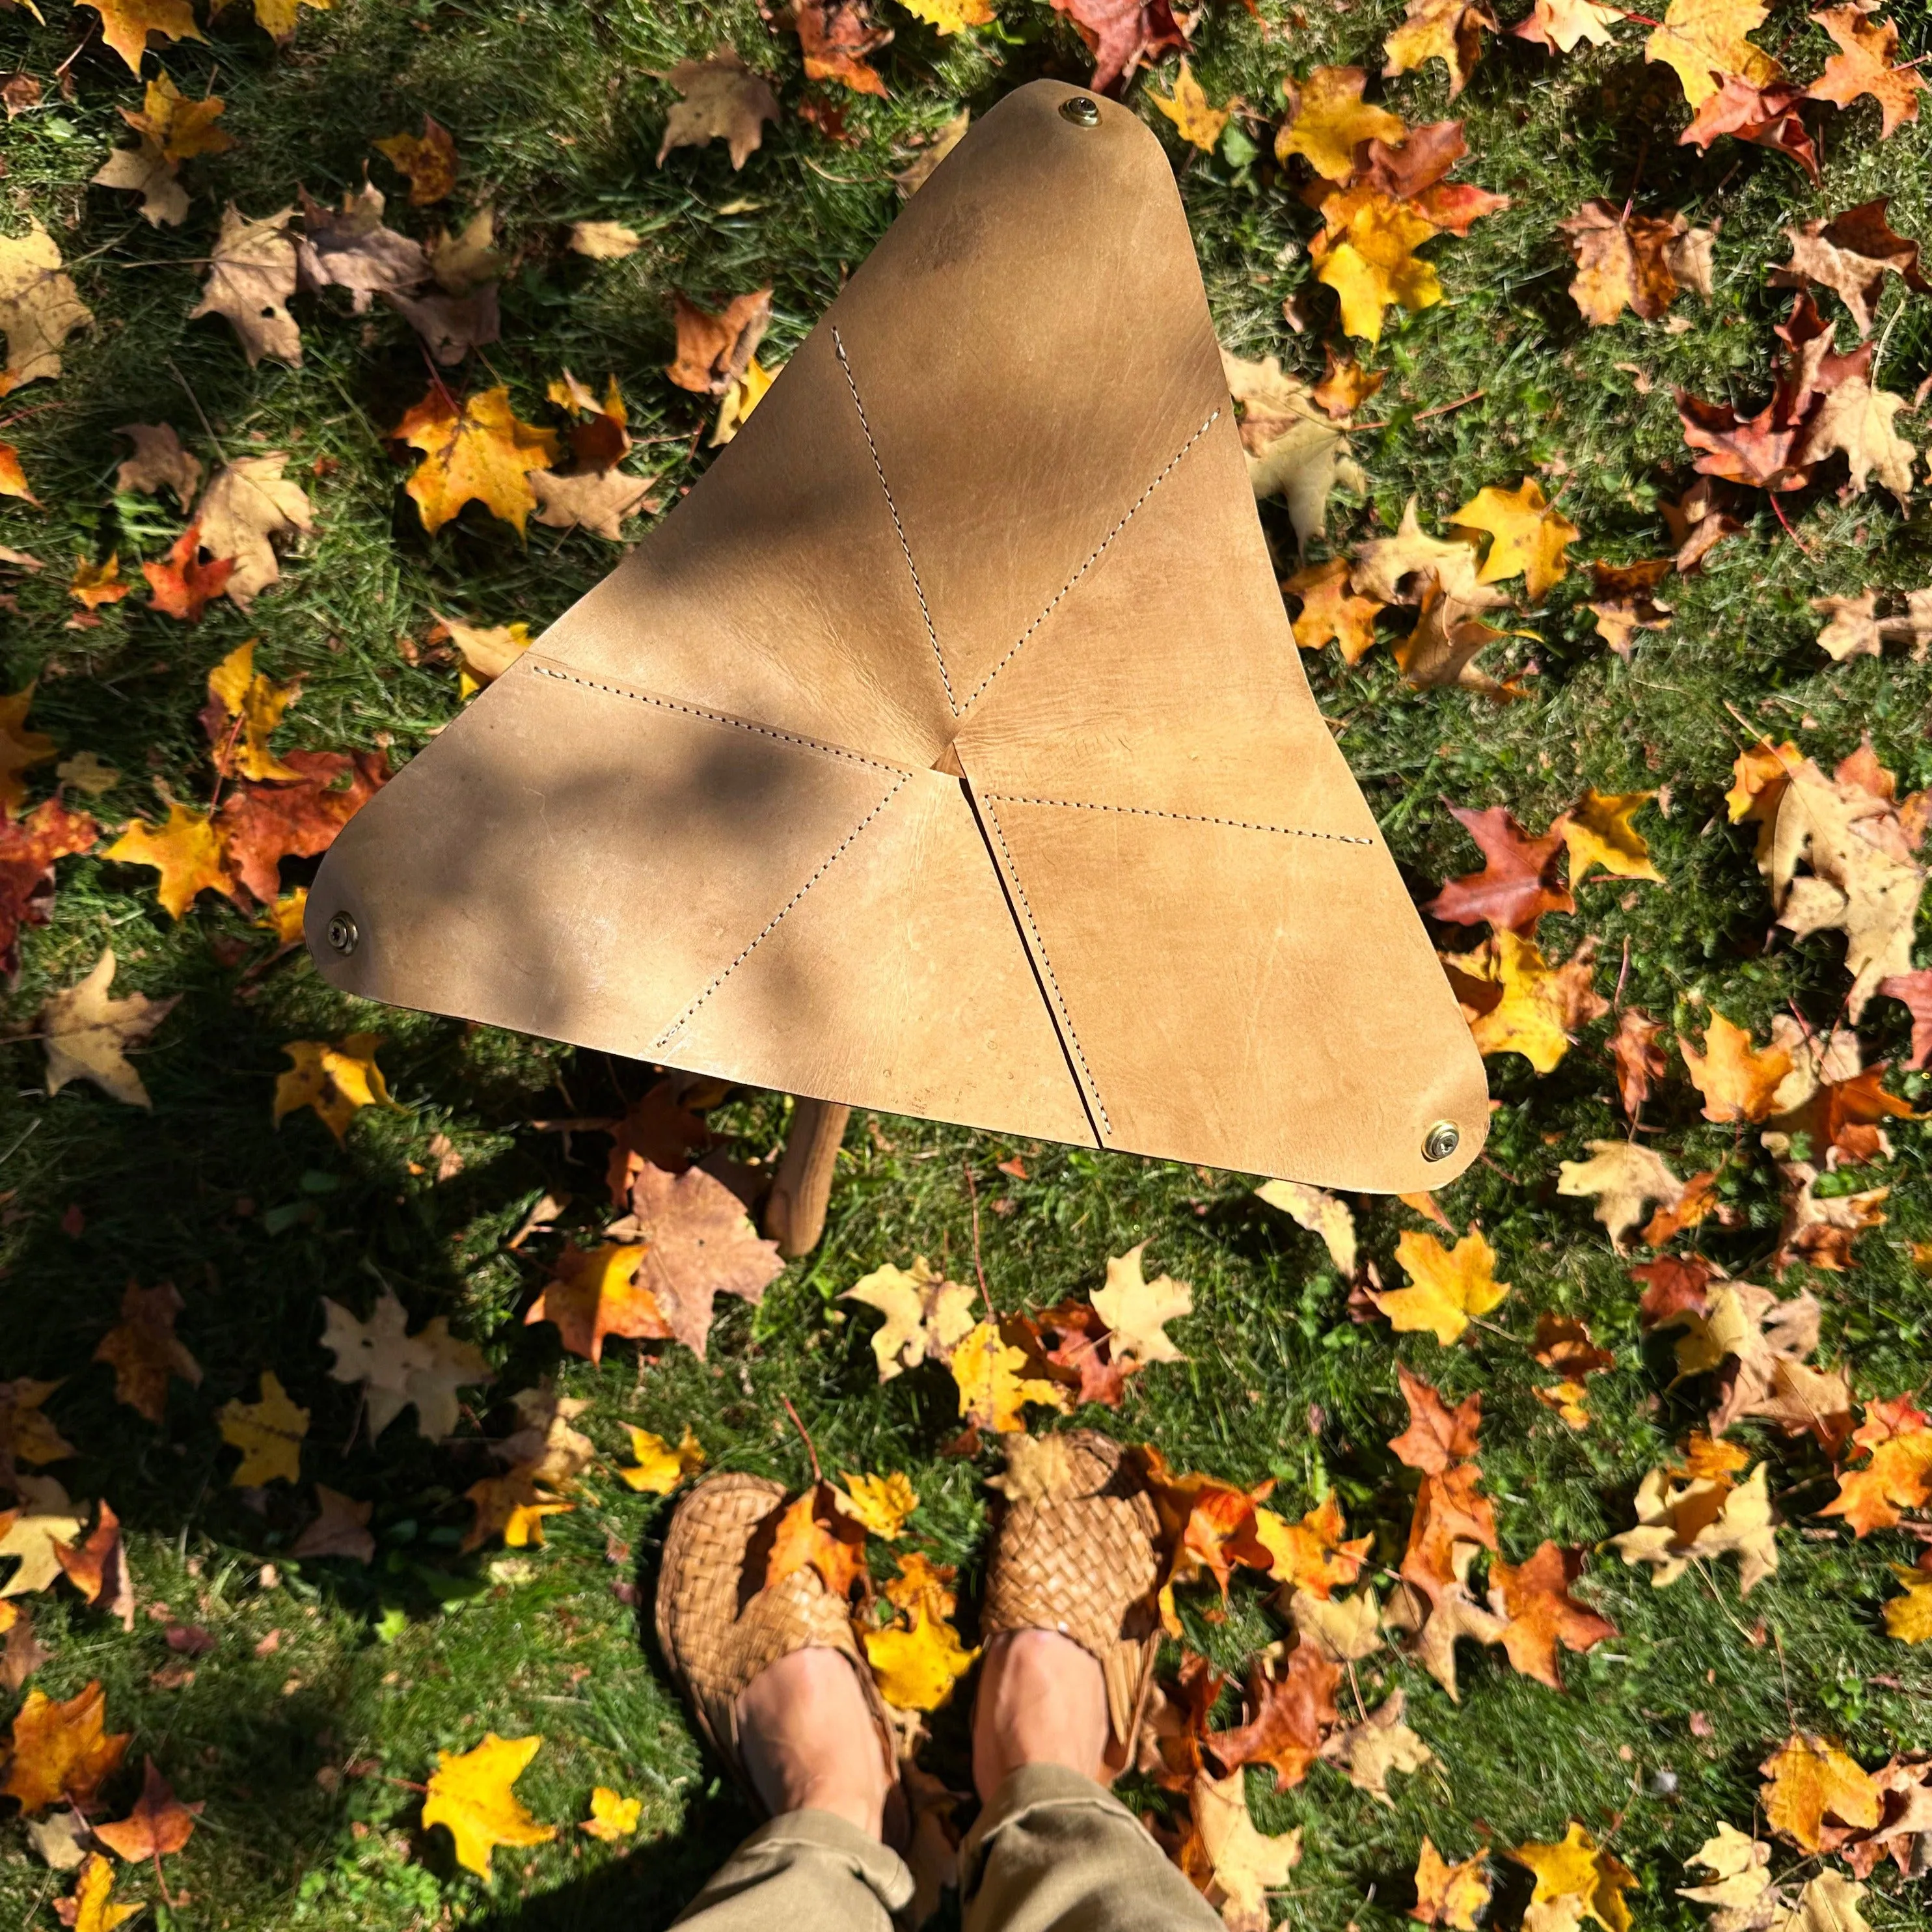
(557, 110)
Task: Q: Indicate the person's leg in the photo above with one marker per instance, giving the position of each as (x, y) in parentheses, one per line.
(1053, 1850)
(810, 1747)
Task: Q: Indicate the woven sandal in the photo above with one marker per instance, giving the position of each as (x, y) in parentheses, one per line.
(1075, 1553)
(718, 1630)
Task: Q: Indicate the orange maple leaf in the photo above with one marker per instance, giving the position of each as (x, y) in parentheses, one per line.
(1315, 1554)
(1448, 1510)
(159, 1824)
(1737, 1081)
(595, 1293)
(817, 1531)
(1899, 1475)
(1207, 1525)
(1437, 1435)
(144, 1351)
(1866, 66)
(1542, 1613)
(1285, 1718)
(181, 584)
(61, 1751)
(482, 452)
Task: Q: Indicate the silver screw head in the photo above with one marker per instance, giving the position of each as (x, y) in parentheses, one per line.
(1082, 110)
(1441, 1140)
(343, 934)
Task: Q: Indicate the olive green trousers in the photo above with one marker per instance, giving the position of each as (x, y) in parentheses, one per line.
(1053, 1852)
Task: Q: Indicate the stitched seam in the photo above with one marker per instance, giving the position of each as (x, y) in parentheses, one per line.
(714, 718)
(678, 1024)
(1093, 557)
(1188, 817)
(905, 548)
(1039, 947)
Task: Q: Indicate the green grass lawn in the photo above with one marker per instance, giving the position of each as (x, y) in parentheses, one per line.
(304, 1750)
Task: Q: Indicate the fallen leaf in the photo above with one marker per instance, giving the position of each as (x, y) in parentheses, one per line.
(40, 306)
(1314, 1555)
(993, 1390)
(723, 101)
(513, 1506)
(1678, 1523)
(1623, 1178)
(1365, 254)
(1195, 120)
(1449, 1288)
(817, 1531)
(1898, 1476)
(1908, 1618)
(1767, 116)
(62, 1842)
(1328, 117)
(88, 771)
(881, 1503)
(604, 241)
(1739, 1081)
(428, 159)
(1809, 1779)
(354, 248)
(1534, 1596)
(29, 848)
(1527, 537)
(143, 170)
(31, 1530)
(98, 1567)
(1866, 65)
(90, 1906)
(598, 501)
(485, 652)
(396, 1370)
(1450, 1895)
(594, 1293)
(250, 277)
(244, 707)
(470, 1794)
(1344, 1629)
(915, 176)
(1449, 30)
(1561, 26)
(144, 1351)
(1518, 884)
(1241, 1865)
(1382, 1743)
(1639, 262)
(341, 1528)
(269, 1433)
(1136, 1311)
(463, 260)
(612, 1818)
(545, 1440)
(699, 1243)
(337, 1082)
(1294, 452)
(1437, 1435)
(916, 1667)
(94, 585)
(249, 504)
(1598, 832)
(1286, 1716)
(1575, 1868)
(1412, 558)
(657, 1467)
(1321, 1214)
(1702, 40)
(482, 453)
(1206, 1526)
(1852, 253)
(836, 38)
(1697, 522)
(259, 825)
(952, 16)
(1741, 1882)
(450, 325)
(159, 1825)
(1330, 610)
(1122, 34)
(713, 350)
(89, 1034)
(61, 1750)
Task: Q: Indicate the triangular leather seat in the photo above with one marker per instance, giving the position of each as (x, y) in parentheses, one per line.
(947, 751)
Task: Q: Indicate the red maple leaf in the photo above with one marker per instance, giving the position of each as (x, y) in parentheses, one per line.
(264, 824)
(1517, 887)
(181, 584)
(29, 848)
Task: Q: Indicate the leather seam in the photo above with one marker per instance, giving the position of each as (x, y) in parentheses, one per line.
(678, 1025)
(1039, 946)
(715, 717)
(905, 548)
(1093, 557)
(1186, 817)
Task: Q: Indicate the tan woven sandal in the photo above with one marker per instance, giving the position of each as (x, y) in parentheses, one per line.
(718, 1630)
(1076, 1553)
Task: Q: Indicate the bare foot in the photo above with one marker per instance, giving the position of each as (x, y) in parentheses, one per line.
(808, 1741)
(1042, 1700)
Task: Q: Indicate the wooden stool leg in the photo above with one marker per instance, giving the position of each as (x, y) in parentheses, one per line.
(795, 1212)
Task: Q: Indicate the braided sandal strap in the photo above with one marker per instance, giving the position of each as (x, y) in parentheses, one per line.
(1076, 1553)
(717, 1631)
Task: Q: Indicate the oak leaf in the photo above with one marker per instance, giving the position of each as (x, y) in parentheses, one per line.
(90, 1907)
(1809, 1779)
(1576, 1868)
(817, 1531)
(699, 1243)
(1195, 120)
(29, 848)
(1449, 1288)
(1286, 1716)
(1394, 569)
(837, 39)
(1623, 1178)
(470, 1794)
(1705, 1516)
(595, 1292)
(89, 1034)
(250, 277)
(428, 159)
(1328, 117)
(396, 1369)
(62, 1750)
(159, 462)
(881, 1503)
(656, 1467)
(1896, 1438)
(31, 1530)
(249, 505)
(40, 306)
(337, 1082)
(1704, 39)
(1382, 1743)
(1437, 1435)
(1320, 1213)
(1366, 253)
(482, 452)
(341, 1528)
(1516, 886)
(1446, 1894)
(159, 1825)
(269, 1433)
(1527, 537)
(1136, 1311)
(723, 101)
(1865, 65)
(1534, 1596)
(1449, 30)
(1239, 1864)
(144, 1351)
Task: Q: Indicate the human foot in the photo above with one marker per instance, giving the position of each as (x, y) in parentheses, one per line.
(1042, 1700)
(808, 1743)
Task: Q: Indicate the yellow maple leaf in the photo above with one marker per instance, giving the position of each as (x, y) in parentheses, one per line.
(1575, 1868)
(181, 128)
(1366, 255)
(1760, 773)
(512, 1506)
(1528, 538)
(924, 1584)
(269, 1433)
(1327, 117)
(612, 1816)
(742, 395)
(277, 18)
(881, 1503)
(470, 1793)
(1737, 1082)
(482, 452)
(1704, 40)
(1449, 1894)
(1449, 30)
(1450, 1286)
(1539, 1005)
(1909, 1618)
(94, 584)
(1810, 1777)
(925, 1314)
(916, 1668)
(658, 1467)
(93, 1905)
(284, 918)
(991, 1392)
(19, 748)
(951, 16)
(337, 1082)
(89, 1033)
(1598, 832)
(187, 850)
(253, 705)
(1315, 1554)
(1188, 108)
(125, 24)
(428, 159)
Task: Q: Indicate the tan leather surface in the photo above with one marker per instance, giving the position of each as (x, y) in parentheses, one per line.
(947, 751)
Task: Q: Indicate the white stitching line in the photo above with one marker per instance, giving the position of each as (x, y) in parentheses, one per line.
(1040, 946)
(714, 718)
(1189, 817)
(879, 469)
(677, 1025)
(1093, 557)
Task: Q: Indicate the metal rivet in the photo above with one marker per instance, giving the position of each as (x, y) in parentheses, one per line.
(1082, 111)
(1441, 1140)
(343, 934)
